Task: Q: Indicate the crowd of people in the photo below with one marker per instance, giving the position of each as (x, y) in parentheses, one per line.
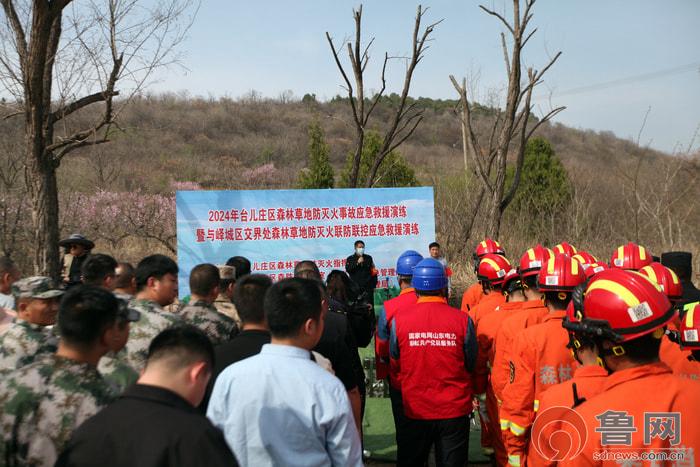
(569, 360)
(110, 368)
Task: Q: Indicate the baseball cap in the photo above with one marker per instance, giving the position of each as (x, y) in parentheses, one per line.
(35, 287)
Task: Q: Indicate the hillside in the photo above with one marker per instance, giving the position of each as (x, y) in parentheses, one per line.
(260, 143)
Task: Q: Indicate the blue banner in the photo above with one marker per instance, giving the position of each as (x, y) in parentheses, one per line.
(275, 229)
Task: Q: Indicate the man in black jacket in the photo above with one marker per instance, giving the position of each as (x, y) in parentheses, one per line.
(681, 262)
(361, 269)
(155, 423)
(337, 343)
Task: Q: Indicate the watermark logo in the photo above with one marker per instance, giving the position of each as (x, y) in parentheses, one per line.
(559, 434)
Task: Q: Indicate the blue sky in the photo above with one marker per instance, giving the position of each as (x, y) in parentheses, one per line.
(273, 46)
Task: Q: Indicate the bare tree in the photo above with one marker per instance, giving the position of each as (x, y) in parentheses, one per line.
(512, 127)
(62, 60)
(405, 118)
(660, 193)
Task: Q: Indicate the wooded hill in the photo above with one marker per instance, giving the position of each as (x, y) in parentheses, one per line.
(620, 191)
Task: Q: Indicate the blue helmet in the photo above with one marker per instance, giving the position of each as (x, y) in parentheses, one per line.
(407, 261)
(429, 274)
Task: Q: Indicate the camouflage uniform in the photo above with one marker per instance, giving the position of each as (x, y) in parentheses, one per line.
(114, 366)
(124, 296)
(224, 306)
(41, 405)
(218, 327)
(153, 320)
(23, 341)
(117, 372)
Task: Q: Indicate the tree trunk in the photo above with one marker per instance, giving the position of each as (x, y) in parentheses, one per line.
(43, 191)
(357, 160)
(495, 212)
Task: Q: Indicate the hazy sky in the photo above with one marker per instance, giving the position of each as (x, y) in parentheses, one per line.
(619, 57)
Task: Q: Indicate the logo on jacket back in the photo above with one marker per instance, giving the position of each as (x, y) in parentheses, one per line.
(565, 436)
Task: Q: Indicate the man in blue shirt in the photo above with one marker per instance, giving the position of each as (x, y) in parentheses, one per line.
(279, 407)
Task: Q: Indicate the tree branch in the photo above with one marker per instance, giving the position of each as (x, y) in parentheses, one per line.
(345, 78)
(418, 48)
(80, 103)
(20, 36)
(380, 93)
(503, 20)
(468, 137)
(505, 53)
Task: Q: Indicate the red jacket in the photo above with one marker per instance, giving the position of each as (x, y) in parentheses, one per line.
(407, 297)
(435, 346)
(625, 398)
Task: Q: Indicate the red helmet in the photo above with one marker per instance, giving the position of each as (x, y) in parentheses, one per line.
(622, 306)
(666, 278)
(595, 268)
(488, 246)
(565, 248)
(630, 256)
(560, 274)
(493, 269)
(533, 260)
(690, 329)
(586, 259)
(511, 282)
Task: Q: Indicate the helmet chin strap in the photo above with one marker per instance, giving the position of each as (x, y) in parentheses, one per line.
(575, 344)
(602, 352)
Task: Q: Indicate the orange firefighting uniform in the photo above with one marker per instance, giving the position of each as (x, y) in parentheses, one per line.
(680, 361)
(541, 360)
(471, 297)
(486, 336)
(532, 313)
(589, 381)
(486, 305)
(632, 393)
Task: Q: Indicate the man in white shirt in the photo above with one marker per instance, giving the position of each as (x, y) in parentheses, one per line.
(9, 274)
(279, 407)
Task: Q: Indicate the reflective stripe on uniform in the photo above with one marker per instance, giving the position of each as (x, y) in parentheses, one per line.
(516, 429)
(514, 460)
(536, 405)
(505, 424)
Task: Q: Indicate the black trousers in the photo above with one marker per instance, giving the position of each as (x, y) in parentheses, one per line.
(400, 419)
(449, 436)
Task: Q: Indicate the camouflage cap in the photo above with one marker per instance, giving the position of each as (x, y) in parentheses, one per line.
(35, 287)
(126, 312)
(226, 272)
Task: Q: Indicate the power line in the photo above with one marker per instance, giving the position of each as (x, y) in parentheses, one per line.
(695, 66)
